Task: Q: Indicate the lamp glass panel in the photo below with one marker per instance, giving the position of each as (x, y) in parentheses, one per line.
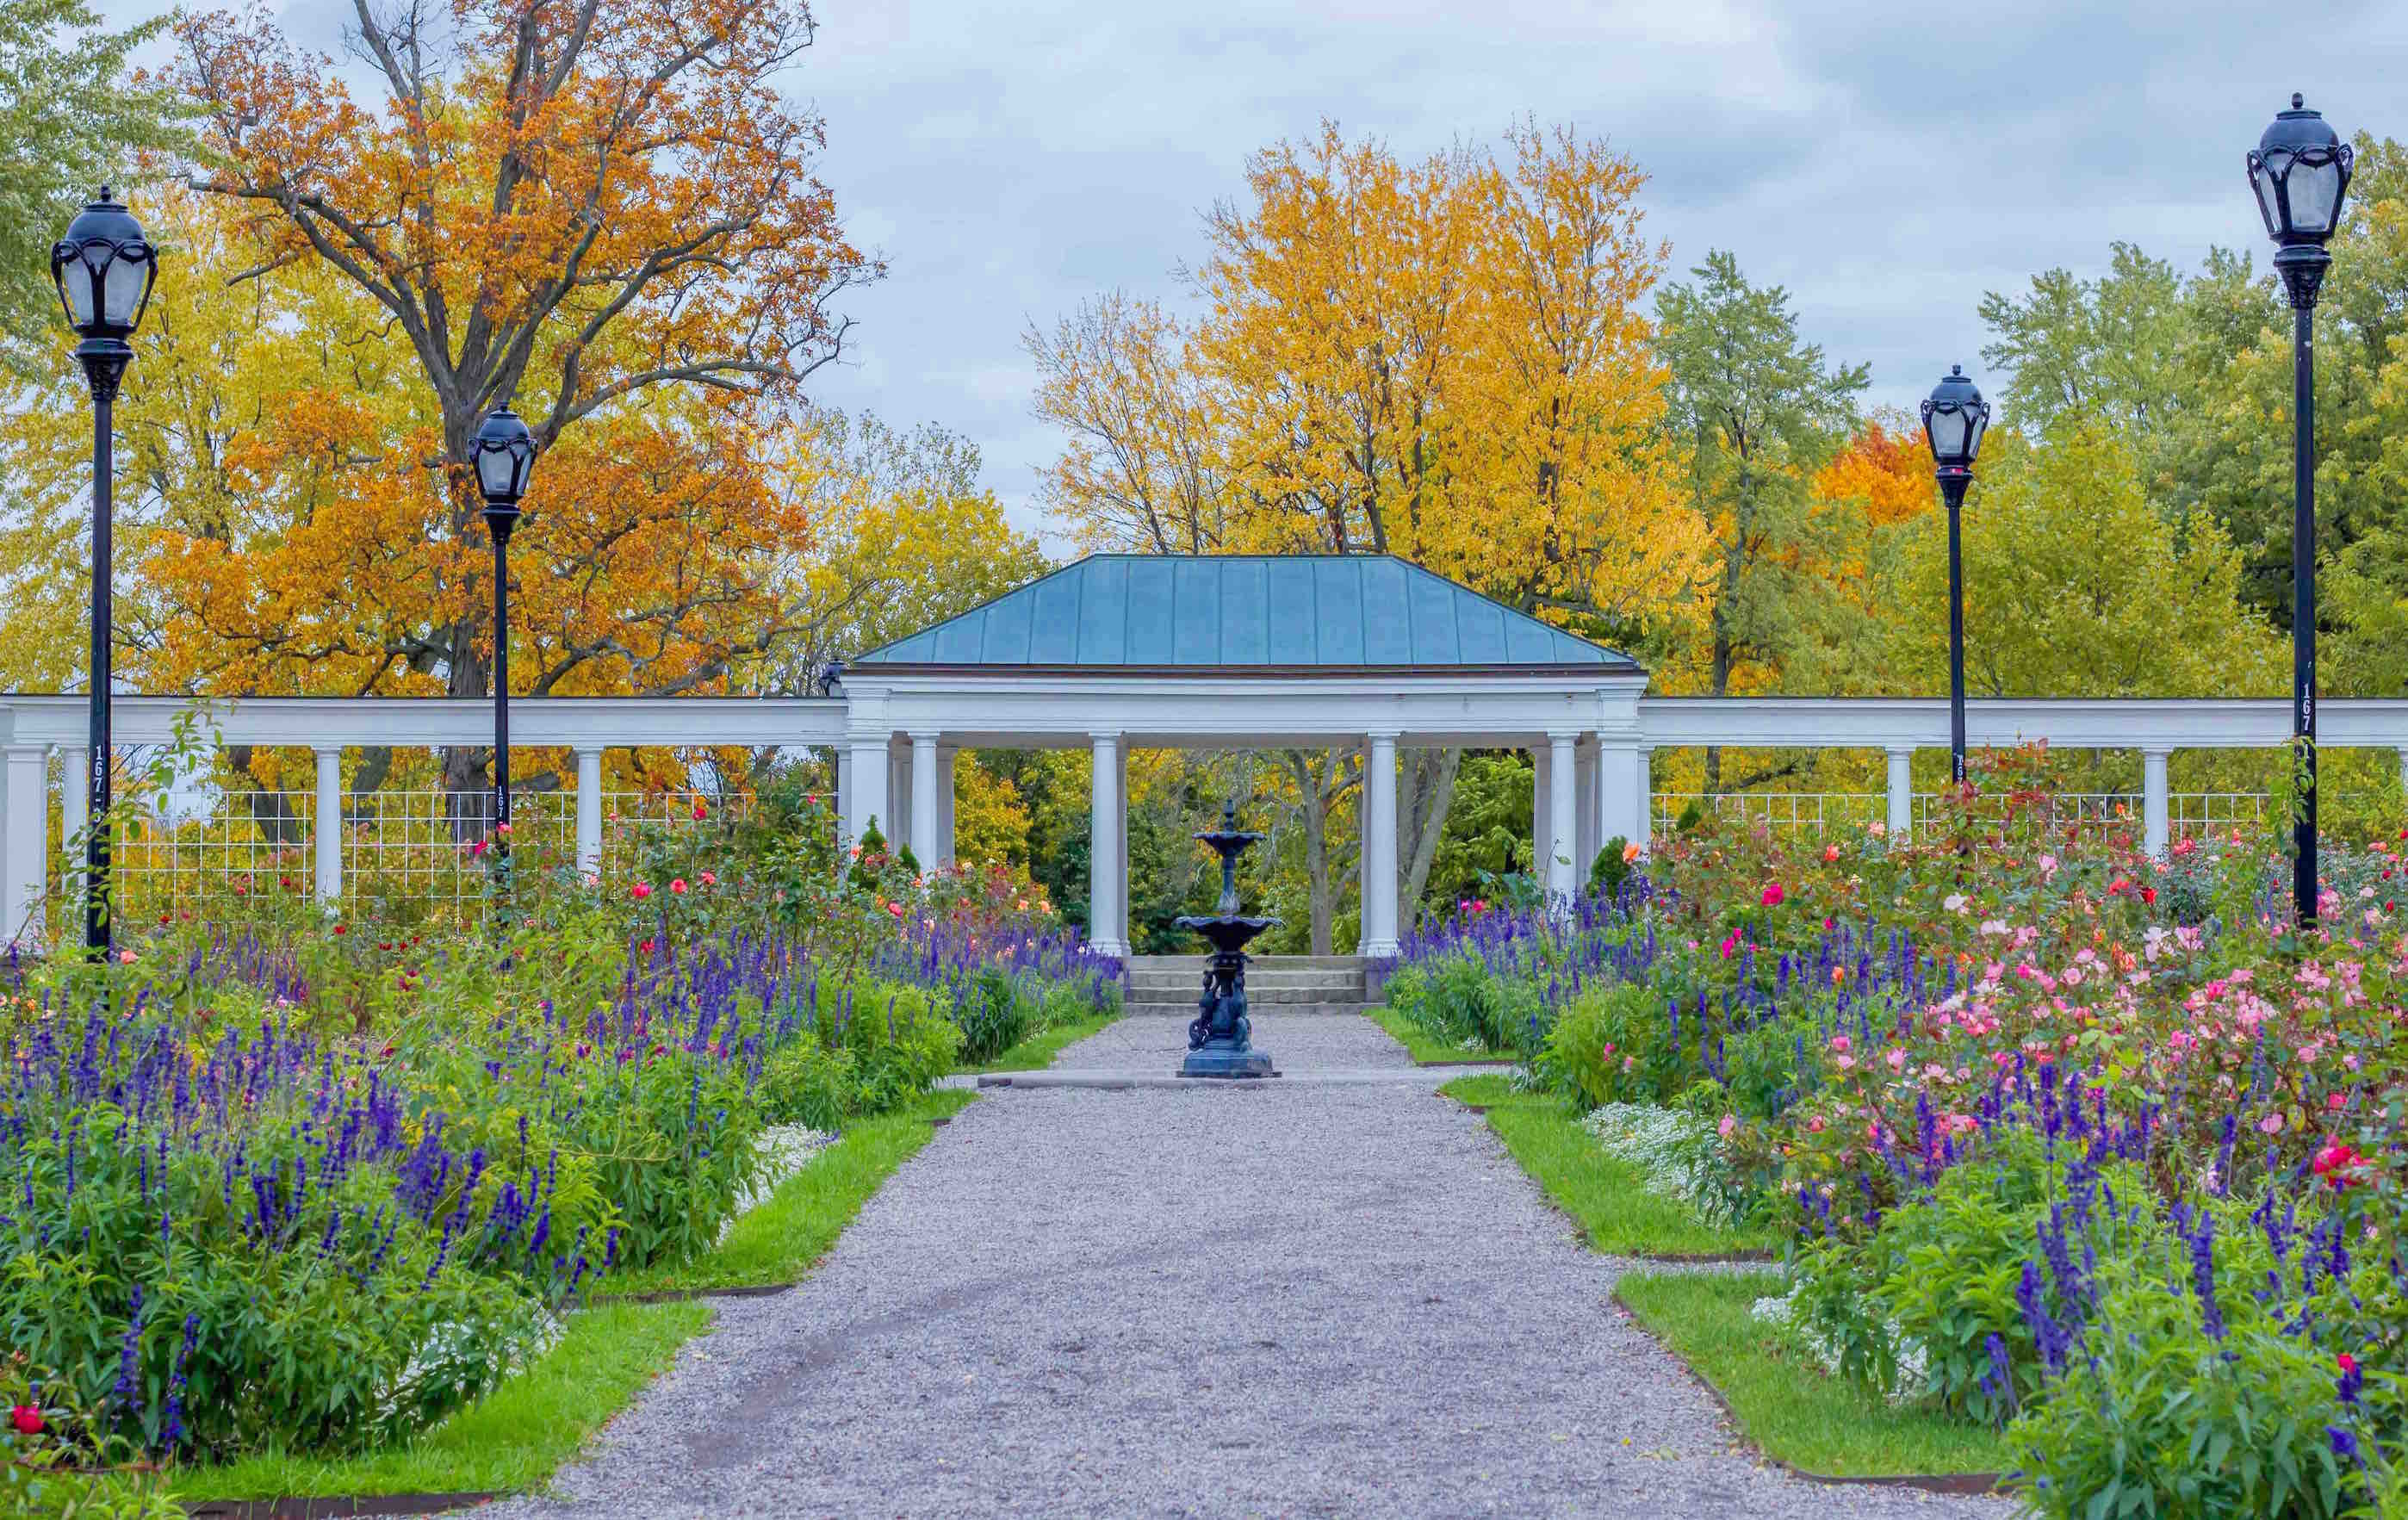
(496, 471)
(2262, 184)
(122, 292)
(1981, 426)
(1947, 434)
(75, 284)
(2316, 195)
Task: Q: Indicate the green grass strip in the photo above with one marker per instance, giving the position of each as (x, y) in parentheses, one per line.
(1788, 1405)
(1425, 1048)
(779, 1240)
(1036, 1052)
(513, 1439)
(1609, 1196)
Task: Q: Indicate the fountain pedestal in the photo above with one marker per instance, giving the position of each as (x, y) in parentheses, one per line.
(1220, 1041)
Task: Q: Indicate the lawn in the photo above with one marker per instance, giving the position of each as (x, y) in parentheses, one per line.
(1036, 1052)
(1427, 1048)
(514, 1440)
(1607, 1196)
(1793, 1408)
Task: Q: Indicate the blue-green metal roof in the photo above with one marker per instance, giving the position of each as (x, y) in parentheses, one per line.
(1219, 611)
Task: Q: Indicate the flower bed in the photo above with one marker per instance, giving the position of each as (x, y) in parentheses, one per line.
(311, 1183)
(2099, 1149)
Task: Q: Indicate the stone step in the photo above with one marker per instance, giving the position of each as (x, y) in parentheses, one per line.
(1274, 992)
(1183, 981)
(1187, 1010)
(1194, 964)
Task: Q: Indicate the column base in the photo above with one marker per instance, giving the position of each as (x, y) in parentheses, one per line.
(1117, 948)
(1378, 949)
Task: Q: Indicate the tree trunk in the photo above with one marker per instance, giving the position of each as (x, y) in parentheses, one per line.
(1429, 792)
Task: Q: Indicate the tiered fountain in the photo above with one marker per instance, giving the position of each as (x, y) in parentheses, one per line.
(1219, 1042)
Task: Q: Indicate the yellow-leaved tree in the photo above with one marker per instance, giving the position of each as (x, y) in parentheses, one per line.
(1448, 360)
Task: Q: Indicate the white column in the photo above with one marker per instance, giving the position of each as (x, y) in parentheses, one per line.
(1644, 783)
(865, 788)
(844, 791)
(1121, 925)
(589, 811)
(1542, 796)
(75, 806)
(1622, 798)
(1380, 848)
(74, 797)
(897, 829)
(925, 848)
(1586, 841)
(1902, 794)
(1561, 773)
(1108, 825)
(24, 841)
(948, 762)
(2155, 810)
(327, 828)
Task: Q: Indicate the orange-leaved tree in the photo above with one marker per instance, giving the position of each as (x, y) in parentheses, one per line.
(598, 210)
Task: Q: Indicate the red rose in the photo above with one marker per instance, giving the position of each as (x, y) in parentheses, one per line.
(2149, 894)
(1772, 896)
(2346, 1362)
(700, 811)
(27, 1419)
(678, 887)
(342, 928)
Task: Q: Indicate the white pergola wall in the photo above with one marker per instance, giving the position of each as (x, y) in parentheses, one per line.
(895, 734)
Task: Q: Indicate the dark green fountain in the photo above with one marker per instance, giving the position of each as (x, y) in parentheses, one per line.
(1219, 1041)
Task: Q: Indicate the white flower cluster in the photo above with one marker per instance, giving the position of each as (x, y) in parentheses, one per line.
(1671, 1150)
(784, 1150)
(1913, 1362)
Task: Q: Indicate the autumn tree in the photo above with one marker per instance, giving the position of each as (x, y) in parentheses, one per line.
(599, 210)
(1759, 412)
(1447, 359)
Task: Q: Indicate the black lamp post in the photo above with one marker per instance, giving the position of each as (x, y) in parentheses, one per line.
(2300, 171)
(504, 452)
(1955, 417)
(103, 269)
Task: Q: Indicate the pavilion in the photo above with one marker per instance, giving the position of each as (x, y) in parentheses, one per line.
(1121, 651)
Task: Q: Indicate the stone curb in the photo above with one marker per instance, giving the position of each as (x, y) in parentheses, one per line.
(332, 1508)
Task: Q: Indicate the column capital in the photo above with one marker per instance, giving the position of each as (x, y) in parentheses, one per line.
(2157, 752)
(1391, 735)
(1105, 735)
(927, 736)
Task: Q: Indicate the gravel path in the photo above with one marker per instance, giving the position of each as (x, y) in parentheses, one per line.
(1308, 1299)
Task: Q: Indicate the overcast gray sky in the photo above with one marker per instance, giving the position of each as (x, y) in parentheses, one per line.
(1886, 162)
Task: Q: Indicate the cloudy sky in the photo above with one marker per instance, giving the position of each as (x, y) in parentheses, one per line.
(1886, 162)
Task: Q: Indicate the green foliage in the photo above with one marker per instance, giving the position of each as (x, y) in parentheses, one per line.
(1611, 868)
(70, 118)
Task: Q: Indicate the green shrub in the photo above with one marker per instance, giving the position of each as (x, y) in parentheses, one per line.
(992, 1015)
